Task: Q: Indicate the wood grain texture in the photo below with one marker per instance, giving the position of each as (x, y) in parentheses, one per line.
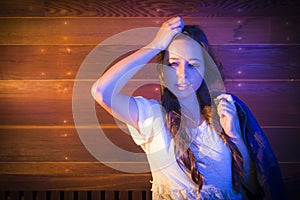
(64, 62)
(43, 44)
(110, 182)
(28, 8)
(50, 102)
(152, 8)
(104, 182)
(74, 195)
(291, 174)
(59, 145)
(59, 31)
(64, 153)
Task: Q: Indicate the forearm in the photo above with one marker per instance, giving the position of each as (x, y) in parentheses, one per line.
(112, 81)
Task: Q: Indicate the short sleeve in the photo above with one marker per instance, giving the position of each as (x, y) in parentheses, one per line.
(145, 121)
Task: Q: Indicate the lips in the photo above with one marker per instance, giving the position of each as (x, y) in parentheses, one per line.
(182, 86)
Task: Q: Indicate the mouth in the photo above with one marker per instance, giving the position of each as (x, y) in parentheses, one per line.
(182, 86)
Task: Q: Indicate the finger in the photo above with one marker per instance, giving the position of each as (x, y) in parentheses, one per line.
(177, 30)
(226, 104)
(169, 22)
(226, 107)
(173, 22)
(178, 24)
(226, 97)
(226, 110)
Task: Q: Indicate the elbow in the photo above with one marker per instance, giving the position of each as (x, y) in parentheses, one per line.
(101, 94)
(94, 89)
(96, 92)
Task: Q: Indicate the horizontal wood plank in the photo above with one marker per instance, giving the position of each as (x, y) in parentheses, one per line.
(80, 183)
(60, 144)
(50, 102)
(148, 8)
(112, 182)
(28, 8)
(259, 61)
(64, 62)
(284, 143)
(291, 176)
(64, 145)
(229, 30)
(62, 169)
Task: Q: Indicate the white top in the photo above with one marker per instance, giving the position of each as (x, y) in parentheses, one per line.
(171, 181)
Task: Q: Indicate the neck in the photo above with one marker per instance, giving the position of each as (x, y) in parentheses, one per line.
(190, 107)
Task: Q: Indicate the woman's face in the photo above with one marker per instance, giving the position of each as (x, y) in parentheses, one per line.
(183, 69)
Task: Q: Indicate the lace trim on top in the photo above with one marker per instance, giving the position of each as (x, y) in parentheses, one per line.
(209, 192)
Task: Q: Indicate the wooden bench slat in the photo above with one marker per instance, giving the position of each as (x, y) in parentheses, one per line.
(34, 149)
(22, 8)
(32, 62)
(137, 195)
(104, 182)
(28, 195)
(68, 195)
(41, 195)
(123, 195)
(55, 195)
(14, 195)
(2, 195)
(50, 102)
(96, 195)
(109, 195)
(60, 31)
(147, 8)
(83, 195)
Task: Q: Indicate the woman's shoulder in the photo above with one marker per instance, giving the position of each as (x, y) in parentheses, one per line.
(149, 106)
(146, 101)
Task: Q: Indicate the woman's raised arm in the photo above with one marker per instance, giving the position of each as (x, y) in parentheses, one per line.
(106, 90)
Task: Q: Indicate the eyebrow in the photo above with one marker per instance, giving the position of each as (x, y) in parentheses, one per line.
(191, 59)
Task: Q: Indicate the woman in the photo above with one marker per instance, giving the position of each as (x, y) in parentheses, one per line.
(195, 146)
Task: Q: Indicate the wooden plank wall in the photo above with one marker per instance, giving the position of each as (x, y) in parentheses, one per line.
(44, 43)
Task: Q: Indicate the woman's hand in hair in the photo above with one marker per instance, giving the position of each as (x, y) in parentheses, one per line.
(167, 31)
(228, 115)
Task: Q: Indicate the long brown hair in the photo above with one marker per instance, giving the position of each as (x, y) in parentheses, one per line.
(176, 122)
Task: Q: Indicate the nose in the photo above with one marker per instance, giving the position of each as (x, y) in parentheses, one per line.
(181, 73)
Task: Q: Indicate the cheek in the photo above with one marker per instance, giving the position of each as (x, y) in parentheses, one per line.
(196, 79)
(169, 75)
(197, 84)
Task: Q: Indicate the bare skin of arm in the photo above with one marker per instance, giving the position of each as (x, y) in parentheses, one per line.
(107, 89)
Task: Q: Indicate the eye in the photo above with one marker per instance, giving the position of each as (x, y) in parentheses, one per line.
(193, 65)
(173, 64)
